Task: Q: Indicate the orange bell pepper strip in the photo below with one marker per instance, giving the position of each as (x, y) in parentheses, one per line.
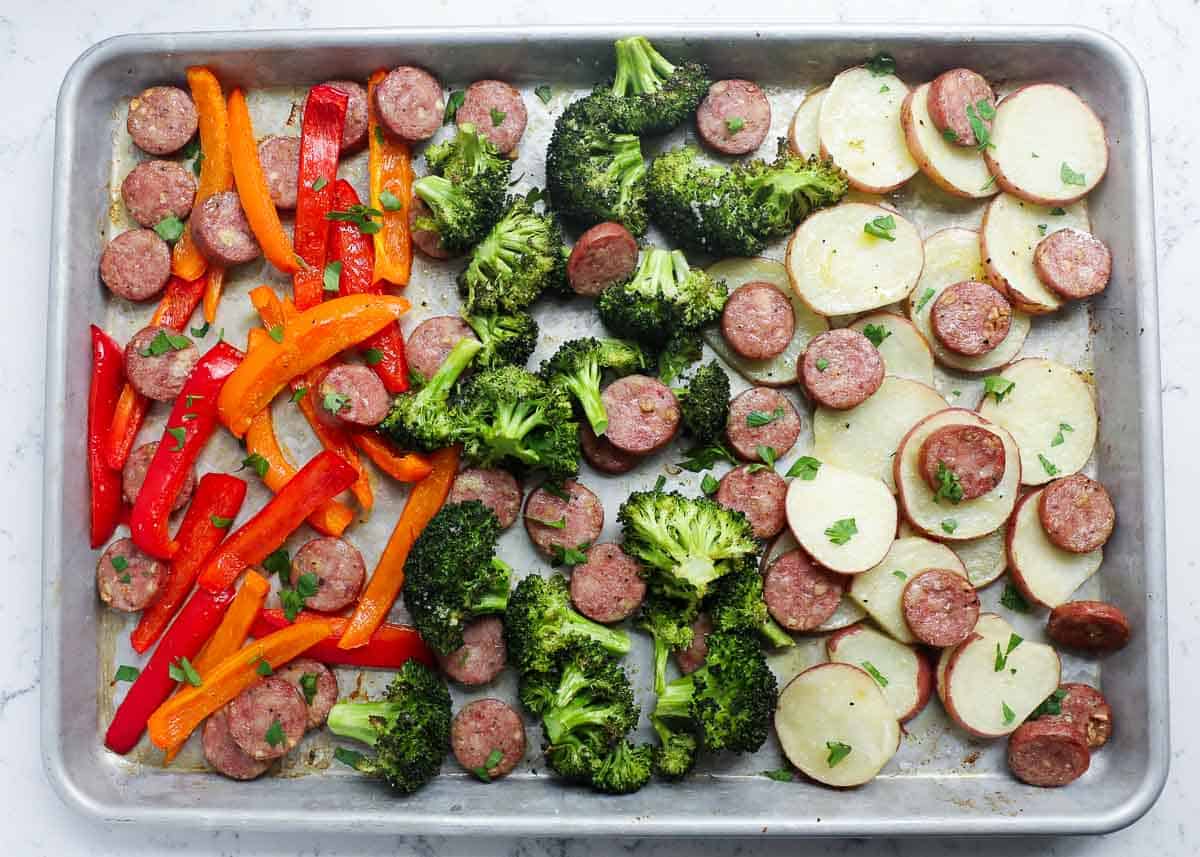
(426, 497)
(390, 166)
(396, 463)
(216, 168)
(299, 345)
(252, 188)
(176, 719)
(212, 292)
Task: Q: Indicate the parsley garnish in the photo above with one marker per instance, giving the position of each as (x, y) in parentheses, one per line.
(837, 752)
(879, 65)
(998, 387)
(1052, 704)
(453, 102)
(900, 574)
(380, 139)
(709, 485)
(258, 463)
(372, 356)
(948, 485)
(542, 92)
(949, 136)
(560, 524)
(1009, 714)
(1041, 229)
(219, 522)
(841, 531)
(332, 276)
(119, 563)
(875, 674)
(768, 456)
(976, 115)
(126, 673)
(497, 117)
(308, 686)
(298, 394)
(319, 182)
(876, 333)
(353, 758)
(164, 342)
(490, 762)
(926, 296)
(881, 227)
(1049, 466)
(179, 433)
(169, 229)
(885, 88)
(182, 670)
(758, 419)
(277, 562)
(1013, 599)
(276, 333)
(988, 183)
(274, 734)
(704, 457)
(360, 216)
(556, 489)
(125, 579)
(732, 126)
(1014, 640)
(335, 402)
(568, 556)
(1058, 439)
(390, 201)
(822, 364)
(200, 333)
(264, 667)
(949, 525)
(293, 599)
(1069, 176)
(1058, 211)
(805, 467)
(779, 775)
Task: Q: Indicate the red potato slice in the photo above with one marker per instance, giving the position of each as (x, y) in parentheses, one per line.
(790, 661)
(958, 170)
(837, 268)
(903, 673)
(880, 590)
(835, 725)
(859, 128)
(991, 702)
(940, 518)
(1048, 146)
(780, 370)
(802, 133)
(1011, 231)
(1050, 413)
(984, 558)
(904, 349)
(1046, 574)
(844, 520)
(847, 612)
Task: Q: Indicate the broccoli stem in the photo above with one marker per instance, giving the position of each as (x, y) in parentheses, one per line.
(661, 652)
(438, 387)
(616, 642)
(776, 637)
(572, 682)
(471, 146)
(626, 164)
(575, 715)
(640, 68)
(507, 432)
(585, 385)
(362, 721)
(676, 698)
(440, 194)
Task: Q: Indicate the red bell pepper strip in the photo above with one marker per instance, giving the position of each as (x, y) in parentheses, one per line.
(324, 477)
(108, 376)
(320, 145)
(192, 422)
(356, 252)
(218, 496)
(196, 623)
(389, 647)
(176, 307)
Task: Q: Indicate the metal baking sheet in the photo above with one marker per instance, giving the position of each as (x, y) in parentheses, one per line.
(941, 782)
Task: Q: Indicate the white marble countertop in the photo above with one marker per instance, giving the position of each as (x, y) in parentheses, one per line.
(38, 41)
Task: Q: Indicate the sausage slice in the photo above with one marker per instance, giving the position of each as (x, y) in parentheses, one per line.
(128, 579)
(972, 455)
(734, 117)
(1087, 710)
(496, 489)
(1076, 513)
(316, 685)
(569, 521)
(136, 264)
(1091, 626)
(940, 607)
(134, 474)
(692, 658)
(488, 738)
(758, 321)
(432, 341)
(609, 586)
(427, 241)
(762, 417)
(482, 655)
(496, 110)
(354, 394)
(155, 190)
(221, 232)
(156, 373)
(339, 568)
(1073, 263)
(268, 719)
(605, 254)
(162, 119)
(950, 94)
(223, 753)
(801, 595)
(280, 159)
(1047, 753)
(759, 495)
(841, 369)
(602, 455)
(643, 414)
(970, 318)
(410, 104)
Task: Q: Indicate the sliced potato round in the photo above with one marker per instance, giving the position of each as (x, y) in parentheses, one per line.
(879, 590)
(903, 673)
(847, 612)
(952, 256)
(1010, 233)
(859, 127)
(958, 170)
(835, 725)
(991, 702)
(967, 519)
(984, 558)
(844, 520)
(838, 268)
(864, 438)
(1046, 574)
(780, 370)
(904, 351)
(1050, 413)
(790, 661)
(1048, 146)
(802, 134)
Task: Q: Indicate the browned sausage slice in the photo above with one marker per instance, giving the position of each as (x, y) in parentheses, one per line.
(354, 394)
(482, 655)
(155, 190)
(643, 414)
(156, 373)
(354, 132)
(496, 489)
(316, 685)
(758, 495)
(940, 607)
(136, 264)
(432, 340)
(280, 159)
(134, 474)
(1072, 263)
(1092, 626)
(950, 94)
(339, 569)
(747, 431)
(1048, 753)
(268, 719)
(692, 658)
(161, 119)
(1087, 710)
(758, 321)
(128, 579)
(973, 456)
(425, 240)
(488, 738)
(496, 110)
(799, 593)
(734, 117)
(410, 104)
(841, 369)
(221, 232)
(605, 254)
(602, 455)
(1076, 513)
(553, 521)
(609, 586)
(223, 753)
(970, 318)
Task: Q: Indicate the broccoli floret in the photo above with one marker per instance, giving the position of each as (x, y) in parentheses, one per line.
(585, 666)
(508, 339)
(675, 756)
(509, 415)
(540, 624)
(729, 701)
(521, 256)
(409, 729)
(669, 623)
(665, 295)
(704, 403)
(452, 574)
(466, 190)
(735, 603)
(625, 769)
(682, 350)
(736, 211)
(421, 418)
(594, 173)
(649, 94)
(686, 543)
(577, 366)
